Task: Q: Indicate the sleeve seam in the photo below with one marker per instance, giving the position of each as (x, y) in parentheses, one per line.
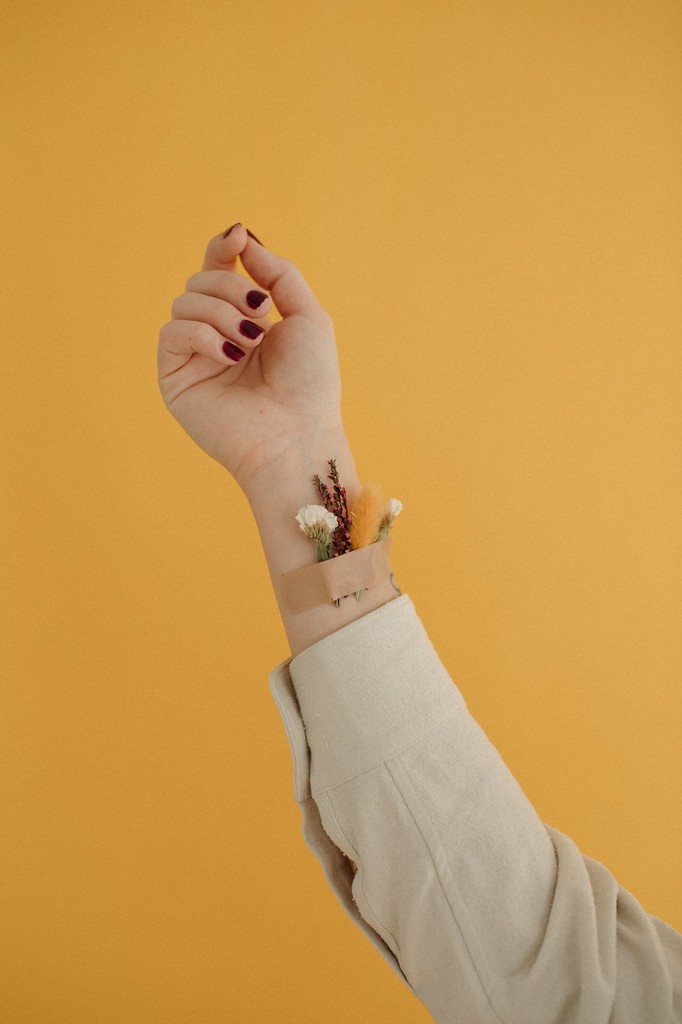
(445, 896)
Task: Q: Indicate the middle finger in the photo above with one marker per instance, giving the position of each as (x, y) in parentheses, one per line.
(231, 287)
(223, 316)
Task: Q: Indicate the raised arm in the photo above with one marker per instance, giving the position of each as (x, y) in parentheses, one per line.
(490, 916)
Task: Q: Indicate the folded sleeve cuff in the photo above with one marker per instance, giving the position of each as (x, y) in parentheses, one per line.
(369, 691)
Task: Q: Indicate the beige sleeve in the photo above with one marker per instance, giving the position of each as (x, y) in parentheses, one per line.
(487, 914)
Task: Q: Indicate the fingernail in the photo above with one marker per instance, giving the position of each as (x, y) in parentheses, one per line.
(230, 229)
(249, 329)
(255, 299)
(251, 235)
(232, 351)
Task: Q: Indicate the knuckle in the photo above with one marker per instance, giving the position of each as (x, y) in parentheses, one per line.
(176, 306)
(204, 332)
(164, 330)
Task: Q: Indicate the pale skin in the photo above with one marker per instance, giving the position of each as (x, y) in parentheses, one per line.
(273, 418)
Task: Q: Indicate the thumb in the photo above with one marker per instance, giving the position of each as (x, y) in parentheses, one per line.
(290, 291)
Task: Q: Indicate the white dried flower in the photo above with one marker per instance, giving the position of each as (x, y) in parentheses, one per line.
(392, 508)
(316, 515)
(318, 525)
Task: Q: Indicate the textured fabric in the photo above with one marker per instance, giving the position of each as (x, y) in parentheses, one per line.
(486, 913)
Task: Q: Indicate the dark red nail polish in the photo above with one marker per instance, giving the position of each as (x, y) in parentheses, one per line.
(249, 329)
(251, 235)
(232, 351)
(255, 299)
(230, 229)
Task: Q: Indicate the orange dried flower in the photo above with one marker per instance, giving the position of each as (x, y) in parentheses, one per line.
(365, 515)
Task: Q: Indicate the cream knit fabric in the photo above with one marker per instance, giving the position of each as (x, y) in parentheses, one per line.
(487, 914)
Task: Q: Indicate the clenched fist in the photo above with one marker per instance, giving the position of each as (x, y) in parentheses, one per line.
(249, 411)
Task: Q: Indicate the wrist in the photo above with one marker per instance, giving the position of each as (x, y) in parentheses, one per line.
(286, 483)
(275, 498)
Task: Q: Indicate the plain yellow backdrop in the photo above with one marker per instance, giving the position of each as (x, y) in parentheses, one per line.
(485, 195)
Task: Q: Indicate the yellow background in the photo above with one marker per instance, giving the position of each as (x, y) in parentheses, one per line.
(486, 198)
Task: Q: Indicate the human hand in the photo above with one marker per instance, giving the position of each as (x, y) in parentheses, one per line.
(249, 415)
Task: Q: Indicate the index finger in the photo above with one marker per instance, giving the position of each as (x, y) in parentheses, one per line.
(221, 252)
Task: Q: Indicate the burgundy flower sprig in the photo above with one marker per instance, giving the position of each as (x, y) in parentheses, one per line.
(337, 504)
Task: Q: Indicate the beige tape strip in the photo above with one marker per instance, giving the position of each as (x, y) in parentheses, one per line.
(321, 582)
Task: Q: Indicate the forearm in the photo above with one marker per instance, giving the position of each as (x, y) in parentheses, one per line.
(275, 498)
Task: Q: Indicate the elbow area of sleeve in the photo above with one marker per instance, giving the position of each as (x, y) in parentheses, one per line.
(369, 690)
